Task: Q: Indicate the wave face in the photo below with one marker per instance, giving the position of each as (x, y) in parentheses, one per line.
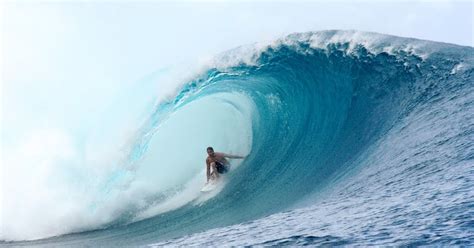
(349, 122)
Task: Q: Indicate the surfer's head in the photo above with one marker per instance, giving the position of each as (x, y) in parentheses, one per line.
(210, 151)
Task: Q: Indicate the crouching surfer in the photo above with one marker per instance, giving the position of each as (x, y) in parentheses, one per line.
(217, 163)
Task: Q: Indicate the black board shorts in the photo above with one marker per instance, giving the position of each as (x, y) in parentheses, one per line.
(221, 168)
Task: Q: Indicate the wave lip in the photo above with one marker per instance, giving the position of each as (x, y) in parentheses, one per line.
(346, 40)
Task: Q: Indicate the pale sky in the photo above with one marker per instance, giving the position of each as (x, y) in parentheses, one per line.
(62, 58)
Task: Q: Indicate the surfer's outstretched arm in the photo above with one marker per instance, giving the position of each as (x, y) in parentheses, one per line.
(232, 156)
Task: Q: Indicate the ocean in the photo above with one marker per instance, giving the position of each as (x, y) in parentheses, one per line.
(352, 138)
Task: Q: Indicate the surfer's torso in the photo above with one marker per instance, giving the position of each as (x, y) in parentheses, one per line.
(218, 158)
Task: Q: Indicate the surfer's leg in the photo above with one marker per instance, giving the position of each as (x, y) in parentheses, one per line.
(214, 173)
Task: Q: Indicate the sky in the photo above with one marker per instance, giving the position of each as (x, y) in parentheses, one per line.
(64, 63)
(55, 54)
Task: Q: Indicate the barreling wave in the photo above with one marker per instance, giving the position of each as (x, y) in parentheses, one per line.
(308, 108)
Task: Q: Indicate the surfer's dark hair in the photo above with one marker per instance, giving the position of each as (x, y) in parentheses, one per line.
(210, 148)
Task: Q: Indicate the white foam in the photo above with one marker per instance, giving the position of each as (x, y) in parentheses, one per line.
(458, 67)
(374, 42)
(30, 185)
(83, 186)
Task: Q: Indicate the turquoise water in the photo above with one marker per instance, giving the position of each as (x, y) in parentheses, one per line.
(352, 138)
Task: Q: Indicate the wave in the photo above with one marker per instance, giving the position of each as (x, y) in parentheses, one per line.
(308, 109)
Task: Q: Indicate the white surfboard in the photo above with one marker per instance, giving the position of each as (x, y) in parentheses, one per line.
(210, 186)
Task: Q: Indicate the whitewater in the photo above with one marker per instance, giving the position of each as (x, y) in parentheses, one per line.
(353, 138)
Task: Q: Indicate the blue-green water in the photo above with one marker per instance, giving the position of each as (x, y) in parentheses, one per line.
(352, 138)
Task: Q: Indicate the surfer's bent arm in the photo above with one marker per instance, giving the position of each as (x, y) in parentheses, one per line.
(208, 169)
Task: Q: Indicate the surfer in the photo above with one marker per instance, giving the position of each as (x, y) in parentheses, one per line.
(218, 162)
